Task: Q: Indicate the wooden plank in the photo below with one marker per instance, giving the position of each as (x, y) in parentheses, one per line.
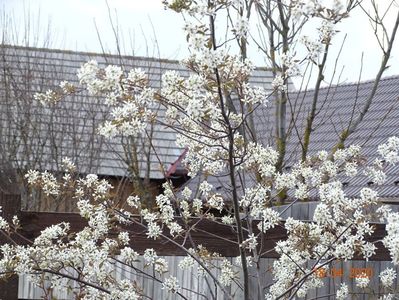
(312, 207)
(335, 278)
(267, 278)
(347, 266)
(33, 223)
(315, 292)
(374, 280)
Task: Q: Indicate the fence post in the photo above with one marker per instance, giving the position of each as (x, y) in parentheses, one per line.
(11, 205)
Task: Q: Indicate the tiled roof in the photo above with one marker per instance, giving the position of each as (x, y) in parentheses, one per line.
(341, 101)
(38, 137)
(381, 122)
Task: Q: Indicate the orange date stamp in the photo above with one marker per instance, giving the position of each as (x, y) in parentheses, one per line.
(339, 272)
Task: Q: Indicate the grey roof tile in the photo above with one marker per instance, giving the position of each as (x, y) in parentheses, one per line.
(338, 103)
(40, 137)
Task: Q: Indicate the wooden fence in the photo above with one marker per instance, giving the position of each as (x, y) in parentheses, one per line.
(204, 289)
(34, 222)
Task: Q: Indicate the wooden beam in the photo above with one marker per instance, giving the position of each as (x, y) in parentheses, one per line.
(215, 237)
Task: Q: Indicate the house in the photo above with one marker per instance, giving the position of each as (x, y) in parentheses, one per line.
(33, 136)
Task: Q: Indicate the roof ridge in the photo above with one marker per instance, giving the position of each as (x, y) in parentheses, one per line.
(352, 83)
(88, 53)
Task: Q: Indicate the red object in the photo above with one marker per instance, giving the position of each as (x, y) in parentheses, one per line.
(176, 168)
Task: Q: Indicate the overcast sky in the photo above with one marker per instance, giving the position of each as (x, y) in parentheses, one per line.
(141, 22)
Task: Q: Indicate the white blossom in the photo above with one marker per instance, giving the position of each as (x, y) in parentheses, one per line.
(227, 274)
(228, 220)
(133, 201)
(279, 83)
(250, 243)
(3, 224)
(150, 256)
(241, 27)
(342, 292)
(186, 263)
(171, 284)
(128, 255)
(390, 150)
(387, 277)
(123, 237)
(362, 281)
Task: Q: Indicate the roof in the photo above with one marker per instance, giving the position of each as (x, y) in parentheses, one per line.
(336, 105)
(33, 136)
(380, 122)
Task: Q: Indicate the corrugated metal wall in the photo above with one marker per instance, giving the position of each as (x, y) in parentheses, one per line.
(197, 288)
(193, 287)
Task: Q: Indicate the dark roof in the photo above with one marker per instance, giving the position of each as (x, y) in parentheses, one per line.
(38, 137)
(380, 122)
(337, 104)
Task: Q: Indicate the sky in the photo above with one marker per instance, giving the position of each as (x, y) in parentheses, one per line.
(140, 23)
(145, 28)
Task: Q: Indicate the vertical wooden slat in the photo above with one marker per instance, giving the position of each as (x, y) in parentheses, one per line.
(335, 278)
(374, 282)
(268, 275)
(312, 207)
(190, 280)
(313, 293)
(325, 289)
(11, 205)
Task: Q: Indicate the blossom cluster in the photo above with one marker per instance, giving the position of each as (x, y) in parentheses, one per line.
(46, 179)
(340, 224)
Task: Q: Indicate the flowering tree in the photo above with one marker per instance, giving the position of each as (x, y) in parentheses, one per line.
(211, 113)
